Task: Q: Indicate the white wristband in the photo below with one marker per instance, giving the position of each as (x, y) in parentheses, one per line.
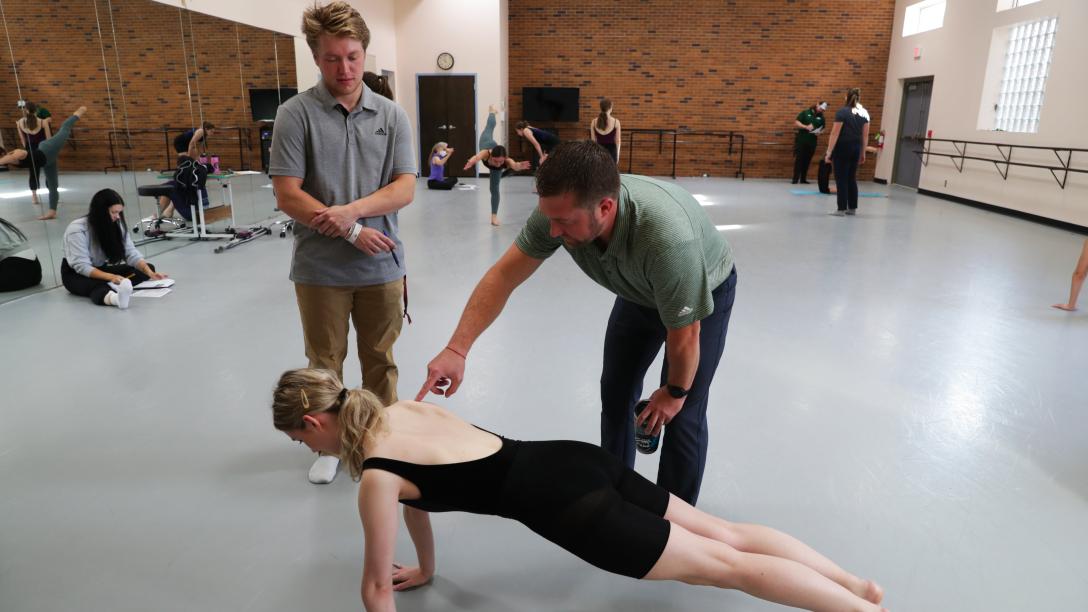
(355, 231)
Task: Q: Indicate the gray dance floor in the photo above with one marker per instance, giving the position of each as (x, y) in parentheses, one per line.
(895, 391)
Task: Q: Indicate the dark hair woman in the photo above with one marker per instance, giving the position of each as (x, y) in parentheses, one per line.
(846, 150)
(100, 262)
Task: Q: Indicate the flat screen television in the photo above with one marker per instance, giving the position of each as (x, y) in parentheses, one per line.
(264, 102)
(550, 103)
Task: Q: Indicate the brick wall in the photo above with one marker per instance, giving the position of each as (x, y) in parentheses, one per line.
(138, 68)
(743, 65)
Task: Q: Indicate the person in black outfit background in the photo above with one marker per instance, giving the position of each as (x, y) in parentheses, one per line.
(574, 494)
(809, 123)
(846, 150)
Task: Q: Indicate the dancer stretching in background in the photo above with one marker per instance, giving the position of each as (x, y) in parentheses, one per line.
(440, 154)
(45, 156)
(495, 157)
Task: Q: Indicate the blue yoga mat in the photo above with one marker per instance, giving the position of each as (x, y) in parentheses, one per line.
(863, 194)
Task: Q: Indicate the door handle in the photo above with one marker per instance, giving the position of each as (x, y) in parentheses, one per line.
(452, 127)
(441, 127)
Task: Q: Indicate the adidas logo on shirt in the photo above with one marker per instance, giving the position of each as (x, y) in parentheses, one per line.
(685, 311)
(380, 132)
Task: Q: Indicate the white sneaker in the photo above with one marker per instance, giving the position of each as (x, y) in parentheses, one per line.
(124, 292)
(324, 469)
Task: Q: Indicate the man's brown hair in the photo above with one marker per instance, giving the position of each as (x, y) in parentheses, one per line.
(336, 18)
(581, 167)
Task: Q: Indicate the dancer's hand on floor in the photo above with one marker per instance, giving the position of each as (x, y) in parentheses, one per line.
(405, 578)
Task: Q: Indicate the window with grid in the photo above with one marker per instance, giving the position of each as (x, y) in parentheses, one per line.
(923, 16)
(1004, 5)
(1027, 63)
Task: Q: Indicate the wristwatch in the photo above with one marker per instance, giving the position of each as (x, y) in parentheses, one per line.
(676, 392)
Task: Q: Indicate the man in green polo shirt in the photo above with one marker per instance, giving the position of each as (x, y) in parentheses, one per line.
(809, 123)
(651, 244)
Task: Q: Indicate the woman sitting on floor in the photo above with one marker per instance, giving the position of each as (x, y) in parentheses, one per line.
(574, 494)
(440, 154)
(100, 262)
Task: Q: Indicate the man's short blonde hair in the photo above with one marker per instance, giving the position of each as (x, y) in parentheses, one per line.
(336, 18)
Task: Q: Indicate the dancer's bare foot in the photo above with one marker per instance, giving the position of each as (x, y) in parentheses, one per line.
(492, 109)
(1067, 307)
(495, 220)
(79, 111)
(47, 216)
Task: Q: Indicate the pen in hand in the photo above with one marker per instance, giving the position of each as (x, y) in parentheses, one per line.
(392, 251)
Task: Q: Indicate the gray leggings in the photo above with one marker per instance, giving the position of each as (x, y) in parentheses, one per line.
(487, 141)
(51, 148)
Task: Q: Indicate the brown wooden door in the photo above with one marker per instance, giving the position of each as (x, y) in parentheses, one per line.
(447, 112)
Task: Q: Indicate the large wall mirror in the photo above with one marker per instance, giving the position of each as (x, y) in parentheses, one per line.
(151, 75)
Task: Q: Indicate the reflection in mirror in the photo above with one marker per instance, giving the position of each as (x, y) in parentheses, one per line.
(59, 64)
(25, 261)
(146, 91)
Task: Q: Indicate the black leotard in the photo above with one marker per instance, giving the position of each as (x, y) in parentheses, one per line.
(574, 494)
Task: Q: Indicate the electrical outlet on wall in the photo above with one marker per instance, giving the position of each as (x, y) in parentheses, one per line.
(946, 182)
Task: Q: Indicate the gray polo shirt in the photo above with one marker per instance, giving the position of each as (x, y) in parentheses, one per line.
(664, 252)
(342, 156)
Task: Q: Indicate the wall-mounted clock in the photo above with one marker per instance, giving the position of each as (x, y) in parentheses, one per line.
(445, 60)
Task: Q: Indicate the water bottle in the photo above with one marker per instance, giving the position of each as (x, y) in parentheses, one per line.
(645, 441)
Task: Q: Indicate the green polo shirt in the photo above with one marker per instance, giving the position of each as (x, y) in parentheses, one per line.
(809, 117)
(664, 253)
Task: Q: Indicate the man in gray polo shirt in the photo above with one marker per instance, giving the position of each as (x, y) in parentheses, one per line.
(651, 244)
(342, 166)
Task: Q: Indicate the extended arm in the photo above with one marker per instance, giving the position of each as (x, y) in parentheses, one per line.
(419, 529)
(682, 352)
(864, 141)
(536, 145)
(479, 157)
(835, 128)
(619, 141)
(194, 144)
(378, 493)
(516, 165)
(487, 301)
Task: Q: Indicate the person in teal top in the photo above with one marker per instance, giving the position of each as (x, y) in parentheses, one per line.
(652, 244)
(809, 123)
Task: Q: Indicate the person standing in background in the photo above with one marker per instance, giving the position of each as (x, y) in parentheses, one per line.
(32, 131)
(846, 150)
(809, 123)
(605, 130)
